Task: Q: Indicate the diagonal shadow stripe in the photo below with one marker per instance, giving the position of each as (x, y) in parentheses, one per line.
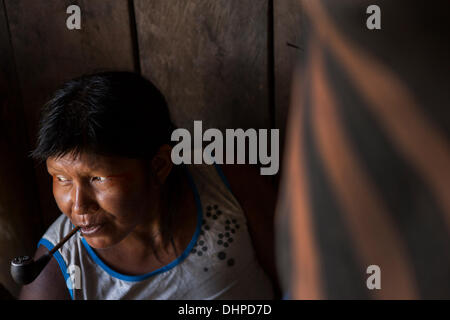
(343, 274)
(371, 227)
(410, 203)
(425, 147)
(306, 278)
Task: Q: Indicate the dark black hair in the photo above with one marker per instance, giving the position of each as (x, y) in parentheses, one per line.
(113, 114)
(110, 113)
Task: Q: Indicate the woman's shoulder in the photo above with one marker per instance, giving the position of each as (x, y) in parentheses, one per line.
(247, 183)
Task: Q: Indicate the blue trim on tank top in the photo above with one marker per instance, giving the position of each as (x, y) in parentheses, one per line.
(222, 176)
(167, 267)
(62, 264)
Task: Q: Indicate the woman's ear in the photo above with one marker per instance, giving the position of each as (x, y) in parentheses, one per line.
(162, 164)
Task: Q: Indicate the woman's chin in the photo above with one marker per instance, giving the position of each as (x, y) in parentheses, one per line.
(105, 239)
(99, 242)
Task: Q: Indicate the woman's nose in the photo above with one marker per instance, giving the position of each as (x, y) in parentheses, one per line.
(82, 201)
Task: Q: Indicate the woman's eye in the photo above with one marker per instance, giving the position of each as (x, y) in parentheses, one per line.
(99, 179)
(61, 179)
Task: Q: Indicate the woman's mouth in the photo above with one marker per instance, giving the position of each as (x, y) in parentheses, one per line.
(91, 229)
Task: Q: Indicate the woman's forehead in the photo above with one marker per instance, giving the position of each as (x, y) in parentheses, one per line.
(91, 161)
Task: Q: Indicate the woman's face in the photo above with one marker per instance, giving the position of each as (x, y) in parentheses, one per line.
(107, 196)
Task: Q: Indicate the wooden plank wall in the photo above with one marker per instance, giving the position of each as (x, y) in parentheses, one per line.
(19, 208)
(212, 60)
(288, 50)
(209, 58)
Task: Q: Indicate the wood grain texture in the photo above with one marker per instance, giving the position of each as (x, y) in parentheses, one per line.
(47, 54)
(209, 58)
(19, 209)
(288, 50)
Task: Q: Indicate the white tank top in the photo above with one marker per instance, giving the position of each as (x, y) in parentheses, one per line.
(218, 263)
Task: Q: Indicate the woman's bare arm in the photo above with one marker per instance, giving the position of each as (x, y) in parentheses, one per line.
(257, 197)
(49, 285)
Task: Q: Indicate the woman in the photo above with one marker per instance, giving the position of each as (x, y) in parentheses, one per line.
(149, 229)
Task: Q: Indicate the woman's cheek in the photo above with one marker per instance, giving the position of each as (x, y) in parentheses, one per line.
(62, 199)
(110, 200)
(120, 202)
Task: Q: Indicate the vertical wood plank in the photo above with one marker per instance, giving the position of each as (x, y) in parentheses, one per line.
(19, 206)
(47, 53)
(209, 58)
(288, 50)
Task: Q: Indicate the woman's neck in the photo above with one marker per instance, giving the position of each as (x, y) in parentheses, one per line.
(148, 245)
